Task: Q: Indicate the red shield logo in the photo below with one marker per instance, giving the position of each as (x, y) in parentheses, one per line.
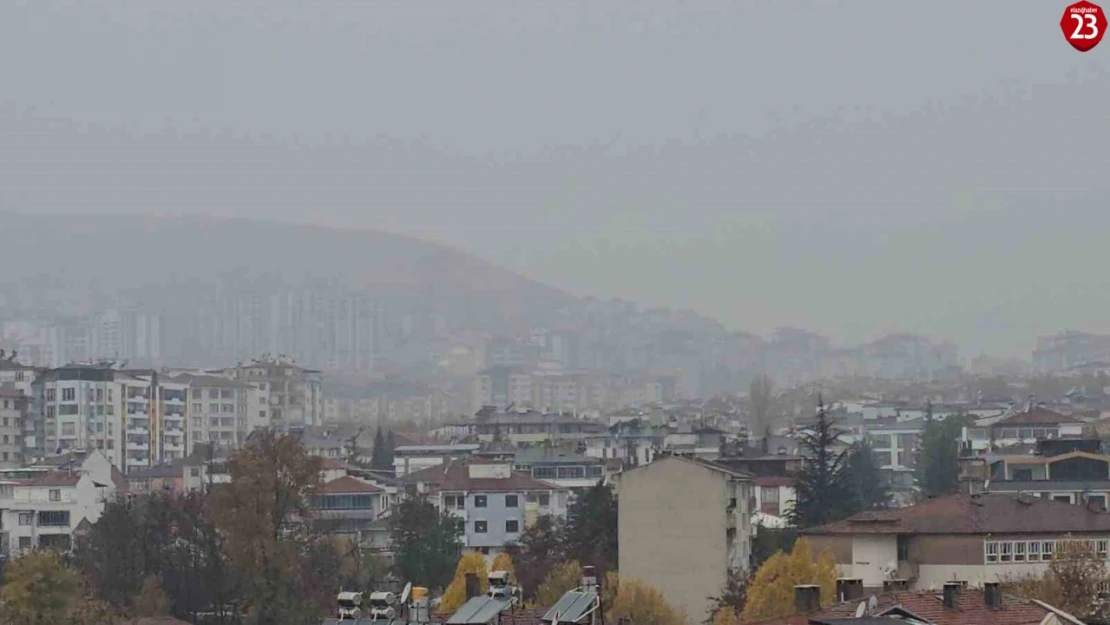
(1083, 24)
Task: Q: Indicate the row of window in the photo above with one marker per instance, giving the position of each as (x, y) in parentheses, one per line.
(458, 502)
(46, 518)
(1010, 551)
(512, 526)
(573, 472)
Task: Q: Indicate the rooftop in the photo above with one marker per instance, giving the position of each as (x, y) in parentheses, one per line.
(347, 485)
(1037, 416)
(455, 476)
(989, 513)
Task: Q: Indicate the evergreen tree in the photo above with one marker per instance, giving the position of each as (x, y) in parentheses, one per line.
(938, 464)
(378, 454)
(591, 529)
(390, 445)
(425, 543)
(869, 488)
(823, 491)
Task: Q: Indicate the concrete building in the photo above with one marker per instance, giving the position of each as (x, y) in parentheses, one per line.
(495, 503)
(967, 538)
(221, 412)
(13, 411)
(684, 524)
(295, 395)
(412, 458)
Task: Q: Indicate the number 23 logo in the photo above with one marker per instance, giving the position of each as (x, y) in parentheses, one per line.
(1085, 22)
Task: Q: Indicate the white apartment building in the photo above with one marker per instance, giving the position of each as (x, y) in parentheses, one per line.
(13, 411)
(222, 411)
(42, 506)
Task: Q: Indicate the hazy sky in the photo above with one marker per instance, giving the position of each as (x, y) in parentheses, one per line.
(853, 167)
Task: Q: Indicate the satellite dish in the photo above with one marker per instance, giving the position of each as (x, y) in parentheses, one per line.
(872, 602)
(860, 609)
(405, 593)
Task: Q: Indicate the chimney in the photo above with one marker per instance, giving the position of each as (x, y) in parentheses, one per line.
(807, 598)
(849, 589)
(992, 595)
(952, 595)
(472, 587)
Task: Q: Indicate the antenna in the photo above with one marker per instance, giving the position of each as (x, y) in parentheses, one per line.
(860, 609)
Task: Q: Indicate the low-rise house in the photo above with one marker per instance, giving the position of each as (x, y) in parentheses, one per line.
(684, 525)
(1072, 470)
(574, 472)
(1028, 426)
(178, 478)
(949, 605)
(45, 511)
(495, 503)
(968, 538)
(412, 458)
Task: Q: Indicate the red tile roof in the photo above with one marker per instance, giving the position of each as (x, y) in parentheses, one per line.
(1037, 416)
(347, 485)
(975, 514)
(455, 475)
(929, 604)
(56, 478)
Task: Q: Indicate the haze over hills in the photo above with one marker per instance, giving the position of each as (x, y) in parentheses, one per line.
(642, 150)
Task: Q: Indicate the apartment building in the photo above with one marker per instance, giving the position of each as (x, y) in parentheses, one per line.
(1070, 470)
(221, 412)
(294, 393)
(974, 539)
(13, 412)
(83, 407)
(684, 524)
(495, 503)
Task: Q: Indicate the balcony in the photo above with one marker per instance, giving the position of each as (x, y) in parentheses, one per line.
(138, 446)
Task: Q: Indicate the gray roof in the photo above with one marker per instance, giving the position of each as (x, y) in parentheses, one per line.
(571, 607)
(436, 449)
(1047, 486)
(539, 455)
(479, 611)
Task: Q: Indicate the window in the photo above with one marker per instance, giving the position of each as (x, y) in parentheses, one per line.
(1063, 498)
(1035, 551)
(69, 394)
(1047, 547)
(544, 473)
(1023, 475)
(50, 394)
(26, 518)
(213, 408)
(1100, 548)
(194, 471)
(512, 526)
(769, 494)
(213, 393)
(1019, 552)
(511, 501)
(1098, 502)
(24, 542)
(1025, 433)
(882, 458)
(479, 501)
(198, 407)
(480, 527)
(594, 470)
(53, 518)
(1007, 554)
(55, 494)
(545, 500)
(69, 429)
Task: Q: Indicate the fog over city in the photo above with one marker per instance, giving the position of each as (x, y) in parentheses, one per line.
(927, 177)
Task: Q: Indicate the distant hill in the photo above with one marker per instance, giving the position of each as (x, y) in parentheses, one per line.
(180, 259)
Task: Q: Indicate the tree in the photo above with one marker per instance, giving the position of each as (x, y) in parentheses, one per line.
(504, 562)
(637, 602)
(868, 486)
(261, 512)
(390, 445)
(540, 549)
(591, 529)
(938, 465)
(728, 606)
(771, 593)
(38, 588)
(425, 541)
(151, 600)
(563, 577)
(767, 541)
(455, 595)
(378, 455)
(822, 489)
(1072, 582)
(761, 393)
